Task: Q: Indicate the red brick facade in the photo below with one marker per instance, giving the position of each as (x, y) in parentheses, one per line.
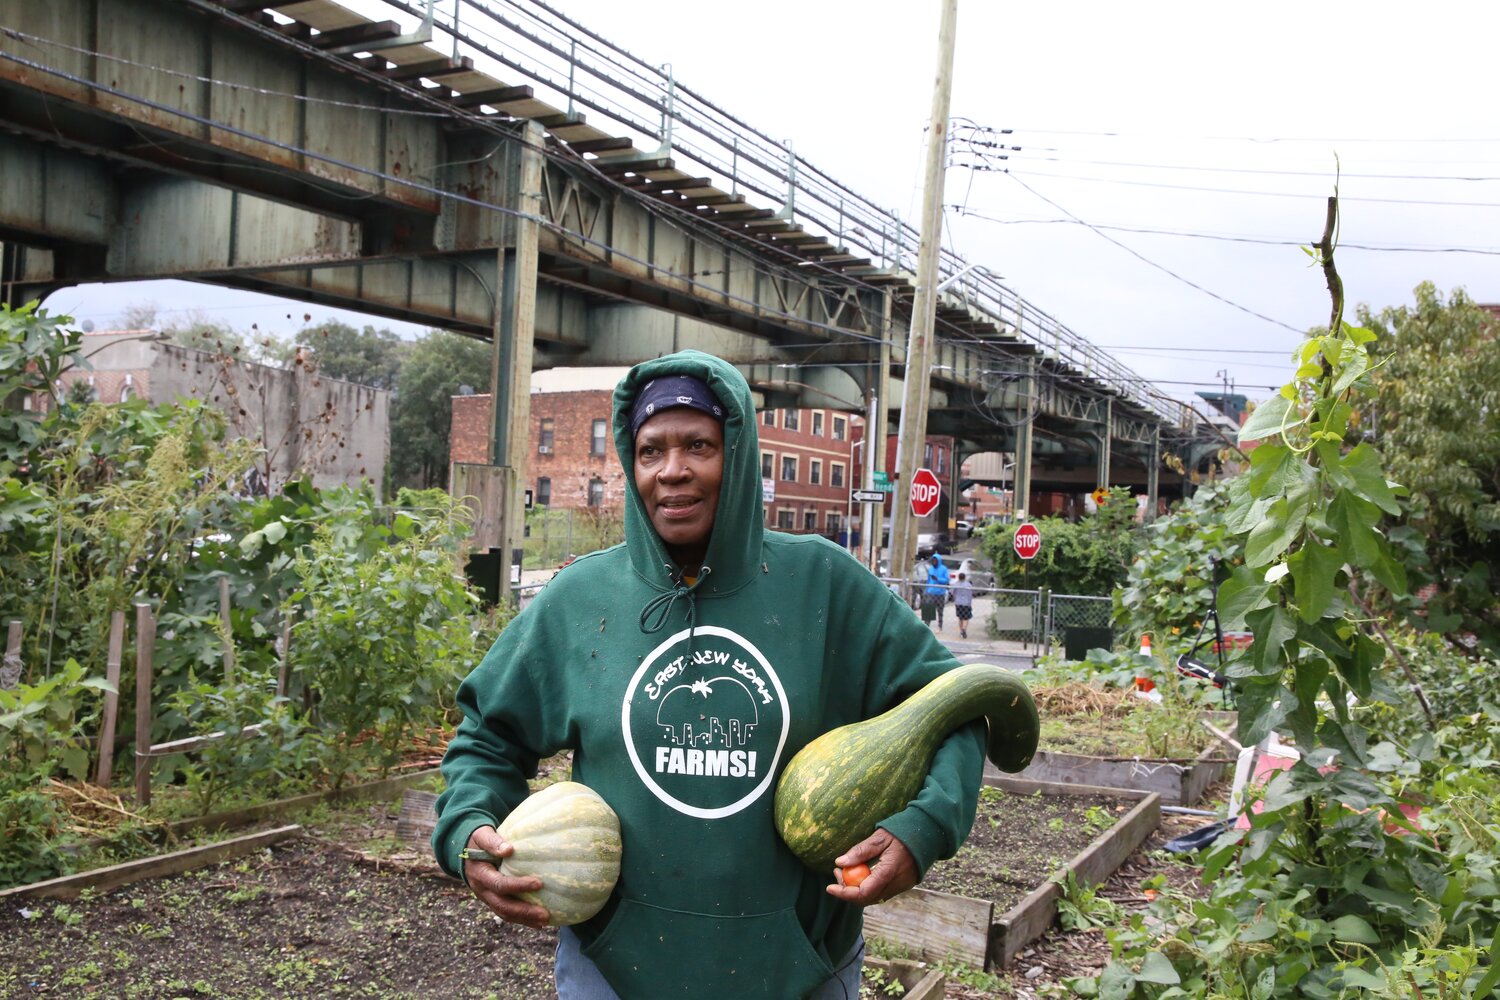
(571, 457)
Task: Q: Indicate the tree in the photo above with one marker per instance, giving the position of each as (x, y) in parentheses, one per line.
(436, 366)
(1436, 417)
(369, 356)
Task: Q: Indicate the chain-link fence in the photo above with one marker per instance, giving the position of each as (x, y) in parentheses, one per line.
(1081, 623)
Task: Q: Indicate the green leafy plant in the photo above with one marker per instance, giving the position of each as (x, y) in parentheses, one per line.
(1334, 882)
(1088, 557)
(383, 637)
(1169, 588)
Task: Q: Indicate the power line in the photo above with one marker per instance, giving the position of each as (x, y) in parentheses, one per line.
(1257, 194)
(1393, 140)
(1225, 237)
(1159, 267)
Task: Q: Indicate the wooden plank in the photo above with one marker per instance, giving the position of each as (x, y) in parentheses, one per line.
(493, 97)
(145, 644)
(1032, 916)
(600, 145)
(70, 886)
(432, 69)
(111, 699)
(936, 926)
(235, 818)
(919, 981)
(190, 743)
(10, 667)
(418, 817)
(357, 34)
(228, 626)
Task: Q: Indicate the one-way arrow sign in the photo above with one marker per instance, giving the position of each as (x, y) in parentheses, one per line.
(867, 496)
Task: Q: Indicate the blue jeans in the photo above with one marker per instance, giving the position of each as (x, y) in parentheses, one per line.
(578, 978)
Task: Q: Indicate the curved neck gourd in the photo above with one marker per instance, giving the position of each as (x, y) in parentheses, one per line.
(839, 787)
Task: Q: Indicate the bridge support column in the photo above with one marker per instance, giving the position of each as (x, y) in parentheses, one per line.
(1021, 470)
(1153, 473)
(25, 274)
(514, 332)
(1106, 438)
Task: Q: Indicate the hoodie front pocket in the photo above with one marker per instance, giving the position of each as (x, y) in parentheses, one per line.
(648, 952)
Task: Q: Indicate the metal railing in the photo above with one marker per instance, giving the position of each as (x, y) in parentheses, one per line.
(570, 66)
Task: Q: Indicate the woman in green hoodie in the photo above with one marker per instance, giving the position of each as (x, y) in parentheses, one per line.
(684, 669)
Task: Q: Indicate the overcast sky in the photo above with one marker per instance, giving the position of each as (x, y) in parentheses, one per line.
(1220, 127)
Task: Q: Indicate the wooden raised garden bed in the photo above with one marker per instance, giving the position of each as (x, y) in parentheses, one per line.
(1179, 782)
(915, 980)
(939, 926)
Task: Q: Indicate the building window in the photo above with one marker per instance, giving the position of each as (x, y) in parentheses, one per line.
(789, 419)
(785, 519)
(818, 423)
(544, 437)
(840, 428)
(835, 474)
(809, 520)
(815, 473)
(544, 492)
(767, 465)
(789, 468)
(768, 417)
(927, 455)
(942, 456)
(601, 435)
(835, 523)
(596, 492)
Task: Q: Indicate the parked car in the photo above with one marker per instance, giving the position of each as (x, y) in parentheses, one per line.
(971, 569)
(965, 528)
(929, 542)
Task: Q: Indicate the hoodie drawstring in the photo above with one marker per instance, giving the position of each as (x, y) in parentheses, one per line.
(656, 612)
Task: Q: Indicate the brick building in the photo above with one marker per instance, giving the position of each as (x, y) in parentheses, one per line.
(570, 459)
(806, 468)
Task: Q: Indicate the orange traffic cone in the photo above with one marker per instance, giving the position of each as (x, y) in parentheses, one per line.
(1145, 645)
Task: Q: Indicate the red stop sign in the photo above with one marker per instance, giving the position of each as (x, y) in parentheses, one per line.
(1027, 541)
(924, 492)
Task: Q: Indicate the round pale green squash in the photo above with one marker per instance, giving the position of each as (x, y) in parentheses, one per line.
(567, 836)
(839, 787)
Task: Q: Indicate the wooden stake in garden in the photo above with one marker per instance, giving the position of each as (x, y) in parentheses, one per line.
(145, 645)
(228, 630)
(111, 699)
(10, 667)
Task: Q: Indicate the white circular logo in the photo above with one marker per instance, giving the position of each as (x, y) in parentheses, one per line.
(705, 729)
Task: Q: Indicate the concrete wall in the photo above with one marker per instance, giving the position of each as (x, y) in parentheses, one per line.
(339, 432)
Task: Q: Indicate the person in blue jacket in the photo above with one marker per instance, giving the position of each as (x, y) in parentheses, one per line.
(684, 669)
(937, 587)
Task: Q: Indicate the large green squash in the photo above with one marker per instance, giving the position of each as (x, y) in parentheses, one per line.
(836, 789)
(567, 836)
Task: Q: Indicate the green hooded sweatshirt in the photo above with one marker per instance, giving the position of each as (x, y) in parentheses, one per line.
(682, 705)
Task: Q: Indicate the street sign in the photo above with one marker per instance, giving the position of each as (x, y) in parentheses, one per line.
(1027, 541)
(867, 496)
(883, 482)
(767, 490)
(924, 492)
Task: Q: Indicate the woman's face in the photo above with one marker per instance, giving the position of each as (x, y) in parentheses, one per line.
(679, 464)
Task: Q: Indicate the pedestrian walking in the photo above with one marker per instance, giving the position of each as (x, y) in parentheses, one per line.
(937, 589)
(683, 669)
(963, 604)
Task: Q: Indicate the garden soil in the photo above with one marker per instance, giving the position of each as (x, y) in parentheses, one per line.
(317, 917)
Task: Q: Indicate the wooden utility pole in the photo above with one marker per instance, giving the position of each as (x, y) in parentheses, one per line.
(913, 428)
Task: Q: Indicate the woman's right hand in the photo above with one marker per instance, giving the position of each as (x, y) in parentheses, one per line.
(497, 891)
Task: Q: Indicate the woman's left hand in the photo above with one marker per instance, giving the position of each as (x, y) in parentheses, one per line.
(892, 870)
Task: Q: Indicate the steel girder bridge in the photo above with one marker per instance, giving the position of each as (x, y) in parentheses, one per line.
(492, 168)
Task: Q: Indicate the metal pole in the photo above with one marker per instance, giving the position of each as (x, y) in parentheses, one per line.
(913, 431)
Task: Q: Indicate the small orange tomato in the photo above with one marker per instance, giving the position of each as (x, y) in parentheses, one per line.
(854, 875)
